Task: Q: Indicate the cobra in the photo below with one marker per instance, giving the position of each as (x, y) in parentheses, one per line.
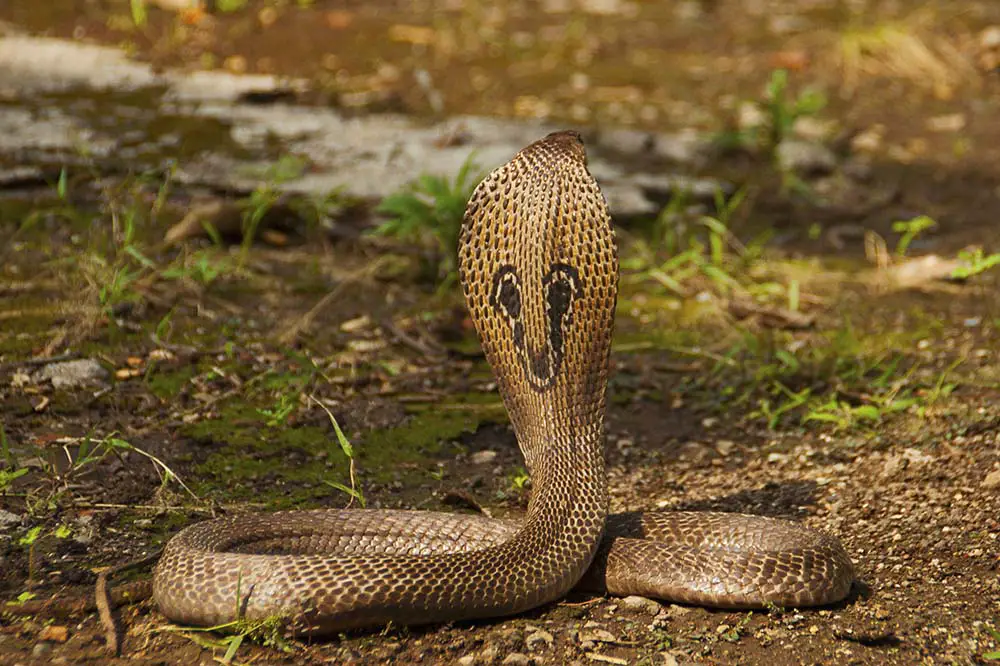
(539, 268)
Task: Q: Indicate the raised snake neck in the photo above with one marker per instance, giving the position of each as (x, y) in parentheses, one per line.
(539, 269)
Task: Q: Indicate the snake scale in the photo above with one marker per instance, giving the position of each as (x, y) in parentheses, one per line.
(539, 268)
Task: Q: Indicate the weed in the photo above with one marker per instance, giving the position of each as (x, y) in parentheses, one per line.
(264, 196)
(278, 415)
(354, 492)
(13, 471)
(782, 111)
(993, 655)
(7, 478)
(268, 632)
(733, 634)
(90, 452)
(779, 112)
(708, 256)
(909, 230)
(791, 401)
(974, 263)
(520, 480)
(203, 266)
(430, 210)
(139, 16)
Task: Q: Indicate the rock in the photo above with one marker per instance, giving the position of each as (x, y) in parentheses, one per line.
(596, 635)
(68, 374)
(804, 157)
(8, 519)
(517, 659)
(641, 604)
(627, 200)
(627, 141)
(696, 189)
(686, 148)
(539, 636)
(467, 660)
(483, 457)
(992, 480)
(41, 649)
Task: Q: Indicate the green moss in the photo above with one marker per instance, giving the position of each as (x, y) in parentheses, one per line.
(166, 383)
(290, 466)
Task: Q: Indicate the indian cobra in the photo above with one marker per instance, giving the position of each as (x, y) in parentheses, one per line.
(539, 268)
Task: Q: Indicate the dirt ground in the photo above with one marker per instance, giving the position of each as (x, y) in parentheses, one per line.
(878, 422)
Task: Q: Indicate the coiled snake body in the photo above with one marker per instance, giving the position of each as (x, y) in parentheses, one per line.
(539, 269)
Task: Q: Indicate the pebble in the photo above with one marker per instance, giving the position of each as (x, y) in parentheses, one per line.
(804, 157)
(517, 659)
(41, 649)
(643, 604)
(990, 37)
(483, 457)
(592, 636)
(539, 636)
(992, 479)
(467, 660)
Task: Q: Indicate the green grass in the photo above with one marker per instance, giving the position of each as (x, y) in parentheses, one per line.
(780, 110)
(429, 213)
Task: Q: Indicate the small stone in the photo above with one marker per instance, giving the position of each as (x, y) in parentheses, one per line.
(236, 64)
(689, 11)
(868, 141)
(596, 636)
(41, 649)
(483, 457)
(539, 636)
(8, 519)
(517, 659)
(992, 479)
(952, 122)
(68, 374)
(725, 447)
(750, 116)
(642, 604)
(467, 660)
(675, 610)
(810, 128)
(990, 37)
(667, 659)
(804, 157)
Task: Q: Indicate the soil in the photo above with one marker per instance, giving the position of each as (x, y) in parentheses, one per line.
(900, 460)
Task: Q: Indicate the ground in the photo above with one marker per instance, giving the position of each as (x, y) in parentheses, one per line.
(791, 376)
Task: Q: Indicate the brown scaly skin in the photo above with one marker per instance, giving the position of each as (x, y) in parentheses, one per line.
(539, 269)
